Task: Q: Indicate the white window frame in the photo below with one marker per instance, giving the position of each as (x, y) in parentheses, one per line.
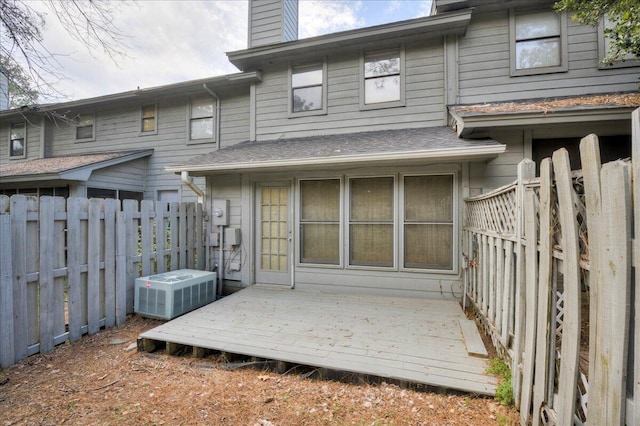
(24, 140)
(299, 223)
(318, 111)
(155, 119)
(454, 224)
(81, 117)
(214, 117)
(563, 67)
(603, 50)
(381, 105)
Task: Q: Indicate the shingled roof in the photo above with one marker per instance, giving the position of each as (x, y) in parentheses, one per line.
(70, 167)
(422, 144)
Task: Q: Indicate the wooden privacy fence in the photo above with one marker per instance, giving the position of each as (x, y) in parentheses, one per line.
(551, 266)
(68, 267)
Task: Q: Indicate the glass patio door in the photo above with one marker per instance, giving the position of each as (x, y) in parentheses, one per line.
(273, 234)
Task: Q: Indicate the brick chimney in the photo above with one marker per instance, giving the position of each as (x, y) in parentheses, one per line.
(272, 21)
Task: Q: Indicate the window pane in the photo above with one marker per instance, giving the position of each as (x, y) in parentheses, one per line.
(307, 99)
(320, 243)
(149, 111)
(537, 25)
(17, 148)
(428, 246)
(308, 75)
(372, 199)
(428, 198)
(383, 64)
(148, 124)
(382, 89)
(202, 128)
(84, 132)
(371, 245)
(538, 53)
(320, 200)
(202, 108)
(17, 131)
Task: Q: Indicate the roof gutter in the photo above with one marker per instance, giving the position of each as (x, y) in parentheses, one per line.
(432, 154)
(188, 180)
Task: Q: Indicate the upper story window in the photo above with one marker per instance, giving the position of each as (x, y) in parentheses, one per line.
(604, 48)
(17, 140)
(85, 127)
(308, 88)
(538, 42)
(148, 121)
(201, 121)
(383, 78)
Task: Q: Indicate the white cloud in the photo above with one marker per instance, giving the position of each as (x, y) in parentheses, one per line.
(318, 17)
(168, 42)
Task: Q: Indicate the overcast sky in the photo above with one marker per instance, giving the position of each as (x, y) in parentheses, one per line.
(173, 41)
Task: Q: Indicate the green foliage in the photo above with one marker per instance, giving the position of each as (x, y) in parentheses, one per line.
(624, 18)
(504, 391)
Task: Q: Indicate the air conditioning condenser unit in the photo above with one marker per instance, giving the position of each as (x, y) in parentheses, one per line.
(171, 294)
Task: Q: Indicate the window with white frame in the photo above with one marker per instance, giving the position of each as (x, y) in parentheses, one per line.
(148, 118)
(201, 120)
(394, 222)
(85, 127)
(538, 42)
(382, 77)
(308, 88)
(320, 221)
(428, 222)
(17, 140)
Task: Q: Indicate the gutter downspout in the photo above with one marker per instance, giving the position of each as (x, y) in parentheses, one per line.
(217, 123)
(188, 180)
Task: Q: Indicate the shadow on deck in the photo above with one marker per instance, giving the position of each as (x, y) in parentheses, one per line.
(416, 340)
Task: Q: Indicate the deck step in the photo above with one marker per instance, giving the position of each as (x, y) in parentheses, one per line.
(472, 339)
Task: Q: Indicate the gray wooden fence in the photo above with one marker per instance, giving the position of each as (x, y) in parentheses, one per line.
(551, 267)
(68, 266)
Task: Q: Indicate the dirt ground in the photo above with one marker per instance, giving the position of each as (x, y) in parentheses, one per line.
(103, 380)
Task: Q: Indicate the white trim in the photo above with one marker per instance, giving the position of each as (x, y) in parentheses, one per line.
(24, 140)
(390, 157)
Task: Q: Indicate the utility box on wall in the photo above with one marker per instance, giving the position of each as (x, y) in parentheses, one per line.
(232, 236)
(220, 212)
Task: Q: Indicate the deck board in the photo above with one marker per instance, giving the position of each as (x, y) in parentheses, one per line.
(415, 340)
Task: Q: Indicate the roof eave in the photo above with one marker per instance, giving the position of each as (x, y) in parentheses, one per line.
(428, 27)
(468, 123)
(396, 158)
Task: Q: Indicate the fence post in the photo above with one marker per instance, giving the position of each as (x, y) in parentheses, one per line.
(526, 170)
(543, 328)
(121, 267)
(7, 347)
(570, 346)
(635, 153)
(94, 242)
(46, 292)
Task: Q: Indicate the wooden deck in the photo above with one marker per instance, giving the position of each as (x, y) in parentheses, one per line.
(416, 340)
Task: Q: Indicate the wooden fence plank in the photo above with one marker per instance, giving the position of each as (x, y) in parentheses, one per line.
(200, 246)
(74, 295)
(130, 207)
(7, 334)
(484, 270)
(121, 267)
(499, 284)
(146, 231)
(508, 290)
(613, 336)
(526, 170)
(96, 206)
(110, 294)
(531, 294)
(635, 143)
(161, 236)
(60, 263)
(591, 164)
(570, 344)
(191, 245)
(182, 235)
(543, 327)
(492, 280)
(174, 228)
(46, 262)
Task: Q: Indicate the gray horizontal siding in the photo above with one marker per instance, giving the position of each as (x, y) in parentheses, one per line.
(424, 94)
(129, 176)
(484, 66)
(32, 143)
(265, 22)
